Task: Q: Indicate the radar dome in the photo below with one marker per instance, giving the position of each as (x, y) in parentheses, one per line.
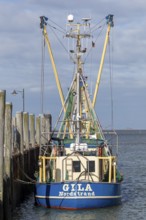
(70, 18)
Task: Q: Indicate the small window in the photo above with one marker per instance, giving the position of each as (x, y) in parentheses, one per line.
(76, 166)
(91, 166)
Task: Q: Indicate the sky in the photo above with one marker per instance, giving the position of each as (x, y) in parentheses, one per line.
(21, 58)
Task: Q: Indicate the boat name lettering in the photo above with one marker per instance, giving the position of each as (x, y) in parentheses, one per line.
(76, 187)
(76, 190)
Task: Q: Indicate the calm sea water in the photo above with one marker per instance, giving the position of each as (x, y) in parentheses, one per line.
(132, 161)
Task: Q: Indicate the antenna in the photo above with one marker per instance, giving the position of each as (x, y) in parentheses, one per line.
(86, 19)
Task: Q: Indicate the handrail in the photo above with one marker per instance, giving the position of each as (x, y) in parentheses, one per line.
(111, 167)
(112, 162)
(42, 167)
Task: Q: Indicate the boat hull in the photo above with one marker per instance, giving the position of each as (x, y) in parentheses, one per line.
(77, 195)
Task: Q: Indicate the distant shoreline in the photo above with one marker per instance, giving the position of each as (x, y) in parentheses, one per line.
(128, 131)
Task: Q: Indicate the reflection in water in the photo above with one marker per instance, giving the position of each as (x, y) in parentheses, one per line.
(102, 214)
(27, 211)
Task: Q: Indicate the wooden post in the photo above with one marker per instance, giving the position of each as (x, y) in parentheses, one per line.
(32, 141)
(26, 130)
(32, 129)
(14, 147)
(48, 120)
(26, 142)
(8, 139)
(19, 122)
(45, 128)
(2, 122)
(38, 130)
(7, 161)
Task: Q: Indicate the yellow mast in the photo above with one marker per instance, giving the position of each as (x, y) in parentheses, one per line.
(110, 24)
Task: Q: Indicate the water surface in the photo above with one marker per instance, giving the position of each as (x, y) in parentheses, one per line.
(132, 161)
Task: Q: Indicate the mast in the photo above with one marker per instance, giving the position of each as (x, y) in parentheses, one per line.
(75, 33)
(79, 70)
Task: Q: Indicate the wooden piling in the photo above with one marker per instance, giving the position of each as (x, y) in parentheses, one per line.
(14, 134)
(19, 124)
(26, 130)
(32, 129)
(7, 161)
(48, 120)
(2, 122)
(43, 129)
(8, 139)
(26, 142)
(38, 130)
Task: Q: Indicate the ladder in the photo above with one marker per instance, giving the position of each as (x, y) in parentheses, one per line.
(68, 168)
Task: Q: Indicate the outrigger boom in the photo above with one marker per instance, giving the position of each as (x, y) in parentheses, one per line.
(110, 24)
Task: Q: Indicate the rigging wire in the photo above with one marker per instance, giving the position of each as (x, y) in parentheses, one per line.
(57, 25)
(97, 28)
(97, 24)
(71, 57)
(90, 49)
(55, 28)
(112, 141)
(65, 102)
(60, 29)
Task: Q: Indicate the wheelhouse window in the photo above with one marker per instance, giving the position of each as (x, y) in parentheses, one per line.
(91, 166)
(76, 166)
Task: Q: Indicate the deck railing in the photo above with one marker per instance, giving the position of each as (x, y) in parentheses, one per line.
(45, 162)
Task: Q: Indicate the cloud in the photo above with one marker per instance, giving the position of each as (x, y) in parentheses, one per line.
(21, 45)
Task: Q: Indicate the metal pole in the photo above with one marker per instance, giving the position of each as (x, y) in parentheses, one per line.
(23, 97)
(2, 124)
(15, 92)
(78, 109)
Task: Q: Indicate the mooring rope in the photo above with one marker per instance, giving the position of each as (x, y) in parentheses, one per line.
(24, 182)
(32, 181)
